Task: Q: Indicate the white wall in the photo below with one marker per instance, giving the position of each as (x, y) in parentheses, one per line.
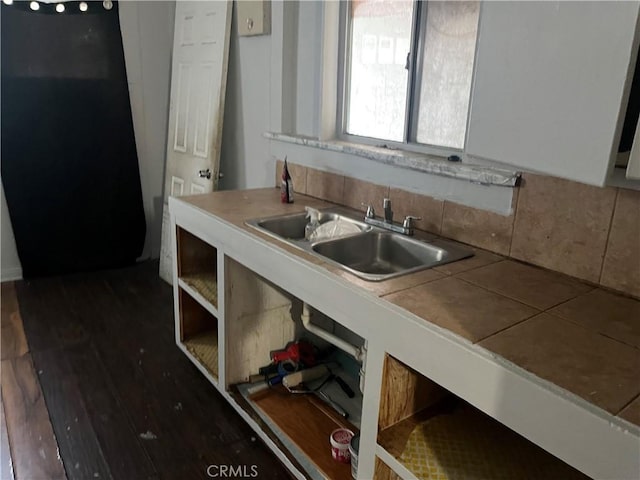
(9, 262)
(550, 79)
(309, 77)
(147, 37)
(275, 85)
(268, 90)
(244, 158)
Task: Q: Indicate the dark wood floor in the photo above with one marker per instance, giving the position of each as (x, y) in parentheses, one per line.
(124, 402)
(29, 447)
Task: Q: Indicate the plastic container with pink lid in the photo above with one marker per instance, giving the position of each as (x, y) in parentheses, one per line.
(340, 440)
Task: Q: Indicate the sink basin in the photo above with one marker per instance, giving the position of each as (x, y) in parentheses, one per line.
(378, 256)
(374, 254)
(291, 227)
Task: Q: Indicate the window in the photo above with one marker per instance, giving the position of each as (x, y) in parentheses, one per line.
(408, 70)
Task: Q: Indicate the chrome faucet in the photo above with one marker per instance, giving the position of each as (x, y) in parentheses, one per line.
(387, 222)
(388, 213)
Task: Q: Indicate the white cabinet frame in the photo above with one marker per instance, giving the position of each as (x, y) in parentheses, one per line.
(589, 439)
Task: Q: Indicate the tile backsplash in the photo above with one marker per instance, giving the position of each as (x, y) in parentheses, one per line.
(583, 231)
(563, 225)
(477, 227)
(621, 268)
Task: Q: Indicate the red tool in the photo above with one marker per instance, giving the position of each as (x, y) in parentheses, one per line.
(298, 352)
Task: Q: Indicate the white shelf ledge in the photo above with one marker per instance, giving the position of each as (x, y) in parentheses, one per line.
(420, 162)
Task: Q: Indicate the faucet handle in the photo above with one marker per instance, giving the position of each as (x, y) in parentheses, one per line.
(408, 221)
(371, 213)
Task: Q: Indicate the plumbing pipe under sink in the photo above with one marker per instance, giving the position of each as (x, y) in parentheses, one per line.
(359, 353)
(356, 352)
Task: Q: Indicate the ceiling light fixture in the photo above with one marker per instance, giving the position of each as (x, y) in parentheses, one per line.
(7, 2)
(107, 4)
(83, 6)
(59, 8)
(34, 6)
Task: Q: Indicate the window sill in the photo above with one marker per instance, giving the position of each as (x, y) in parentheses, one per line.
(410, 160)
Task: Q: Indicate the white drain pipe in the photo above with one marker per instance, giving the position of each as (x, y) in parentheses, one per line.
(356, 352)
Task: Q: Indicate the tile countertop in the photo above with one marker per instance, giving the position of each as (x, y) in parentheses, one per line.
(581, 338)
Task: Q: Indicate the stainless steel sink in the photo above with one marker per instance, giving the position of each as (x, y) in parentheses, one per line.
(381, 255)
(291, 227)
(373, 254)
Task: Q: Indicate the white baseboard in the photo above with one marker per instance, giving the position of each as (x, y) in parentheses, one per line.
(9, 274)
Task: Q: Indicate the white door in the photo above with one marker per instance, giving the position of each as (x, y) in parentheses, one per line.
(198, 82)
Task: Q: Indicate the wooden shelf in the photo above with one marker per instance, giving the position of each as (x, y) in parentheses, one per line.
(394, 439)
(204, 349)
(198, 333)
(197, 268)
(203, 287)
(307, 422)
(444, 437)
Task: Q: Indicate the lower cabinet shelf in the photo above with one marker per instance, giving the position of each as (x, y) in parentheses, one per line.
(303, 424)
(464, 443)
(447, 438)
(204, 348)
(199, 333)
(204, 284)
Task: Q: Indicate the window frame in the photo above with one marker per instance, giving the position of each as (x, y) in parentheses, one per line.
(409, 143)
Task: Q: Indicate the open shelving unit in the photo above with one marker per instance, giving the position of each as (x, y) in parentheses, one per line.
(237, 297)
(434, 434)
(198, 302)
